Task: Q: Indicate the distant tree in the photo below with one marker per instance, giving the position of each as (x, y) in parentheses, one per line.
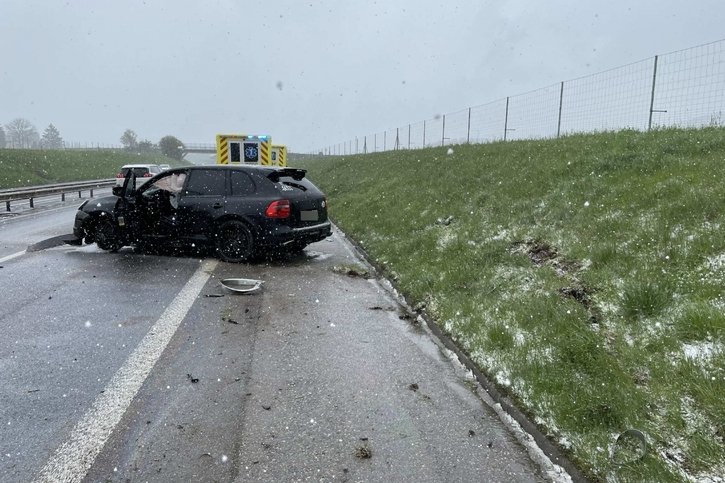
(51, 138)
(21, 134)
(146, 146)
(2, 137)
(129, 140)
(171, 147)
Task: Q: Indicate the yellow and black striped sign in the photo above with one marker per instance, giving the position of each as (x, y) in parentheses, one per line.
(264, 151)
(279, 155)
(243, 149)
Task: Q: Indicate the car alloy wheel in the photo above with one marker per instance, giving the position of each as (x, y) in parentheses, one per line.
(234, 241)
(107, 237)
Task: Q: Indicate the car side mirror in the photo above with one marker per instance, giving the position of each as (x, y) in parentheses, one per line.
(117, 190)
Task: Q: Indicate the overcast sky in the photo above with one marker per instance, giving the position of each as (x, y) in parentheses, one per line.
(310, 73)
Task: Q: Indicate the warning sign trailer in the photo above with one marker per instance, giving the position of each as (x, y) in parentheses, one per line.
(279, 155)
(243, 149)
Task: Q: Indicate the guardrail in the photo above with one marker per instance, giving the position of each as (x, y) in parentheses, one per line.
(32, 192)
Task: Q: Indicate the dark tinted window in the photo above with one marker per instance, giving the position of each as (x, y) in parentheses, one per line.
(234, 153)
(287, 183)
(205, 182)
(139, 172)
(242, 184)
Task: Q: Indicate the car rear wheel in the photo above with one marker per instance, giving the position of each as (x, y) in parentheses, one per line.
(107, 237)
(234, 241)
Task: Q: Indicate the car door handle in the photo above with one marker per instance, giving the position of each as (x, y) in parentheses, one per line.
(217, 205)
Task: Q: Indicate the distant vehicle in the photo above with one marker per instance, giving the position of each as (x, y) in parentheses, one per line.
(279, 155)
(243, 149)
(143, 173)
(241, 211)
(164, 167)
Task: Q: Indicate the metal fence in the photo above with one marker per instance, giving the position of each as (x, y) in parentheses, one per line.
(685, 88)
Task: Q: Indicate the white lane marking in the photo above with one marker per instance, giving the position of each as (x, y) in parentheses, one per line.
(72, 460)
(10, 257)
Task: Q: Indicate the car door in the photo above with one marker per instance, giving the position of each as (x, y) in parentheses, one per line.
(202, 201)
(150, 210)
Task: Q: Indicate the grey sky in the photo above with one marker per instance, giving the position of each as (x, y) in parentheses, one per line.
(194, 69)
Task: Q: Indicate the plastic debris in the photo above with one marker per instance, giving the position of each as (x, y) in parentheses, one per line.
(242, 285)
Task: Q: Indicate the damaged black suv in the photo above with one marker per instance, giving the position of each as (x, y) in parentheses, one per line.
(241, 211)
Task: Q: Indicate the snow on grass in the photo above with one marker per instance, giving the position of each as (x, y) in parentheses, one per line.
(446, 238)
(701, 351)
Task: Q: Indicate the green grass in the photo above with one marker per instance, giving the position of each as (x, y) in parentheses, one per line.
(31, 167)
(636, 220)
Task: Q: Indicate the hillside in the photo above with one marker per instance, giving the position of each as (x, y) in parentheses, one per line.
(584, 275)
(30, 167)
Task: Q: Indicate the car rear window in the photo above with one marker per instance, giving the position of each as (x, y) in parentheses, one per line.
(288, 183)
(139, 172)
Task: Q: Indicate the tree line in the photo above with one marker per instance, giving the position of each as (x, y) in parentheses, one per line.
(168, 145)
(22, 134)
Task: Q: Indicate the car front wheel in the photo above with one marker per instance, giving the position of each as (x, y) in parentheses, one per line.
(234, 241)
(107, 237)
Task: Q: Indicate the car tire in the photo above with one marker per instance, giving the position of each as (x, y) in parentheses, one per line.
(107, 237)
(234, 242)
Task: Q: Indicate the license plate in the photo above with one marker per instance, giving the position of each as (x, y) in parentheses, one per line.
(309, 215)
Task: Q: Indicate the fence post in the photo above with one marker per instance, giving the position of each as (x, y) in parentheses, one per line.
(506, 121)
(443, 134)
(397, 138)
(375, 142)
(408, 136)
(652, 99)
(468, 132)
(561, 102)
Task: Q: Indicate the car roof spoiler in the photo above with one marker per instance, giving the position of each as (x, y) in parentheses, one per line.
(294, 173)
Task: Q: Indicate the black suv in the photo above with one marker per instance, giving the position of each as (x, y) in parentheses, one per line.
(240, 210)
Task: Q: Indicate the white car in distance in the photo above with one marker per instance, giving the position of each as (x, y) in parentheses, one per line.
(143, 173)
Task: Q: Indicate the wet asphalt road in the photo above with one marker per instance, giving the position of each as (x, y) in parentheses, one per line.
(316, 377)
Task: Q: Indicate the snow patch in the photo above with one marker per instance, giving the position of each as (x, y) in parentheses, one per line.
(701, 351)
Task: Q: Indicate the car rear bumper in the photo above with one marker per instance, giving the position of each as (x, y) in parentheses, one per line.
(313, 233)
(285, 235)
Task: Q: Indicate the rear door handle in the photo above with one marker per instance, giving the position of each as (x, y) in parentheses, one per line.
(217, 205)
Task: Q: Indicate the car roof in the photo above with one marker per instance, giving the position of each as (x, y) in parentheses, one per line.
(138, 165)
(249, 167)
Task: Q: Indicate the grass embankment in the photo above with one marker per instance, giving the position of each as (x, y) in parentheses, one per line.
(31, 167)
(584, 275)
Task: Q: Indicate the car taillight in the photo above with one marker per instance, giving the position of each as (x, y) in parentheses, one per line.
(120, 175)
(278, 209)
(147, 175)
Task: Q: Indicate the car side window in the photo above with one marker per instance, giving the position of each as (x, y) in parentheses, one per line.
(206, 182)
(242, 184)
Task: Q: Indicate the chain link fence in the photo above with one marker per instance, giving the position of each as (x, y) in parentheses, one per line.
(685, 88)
